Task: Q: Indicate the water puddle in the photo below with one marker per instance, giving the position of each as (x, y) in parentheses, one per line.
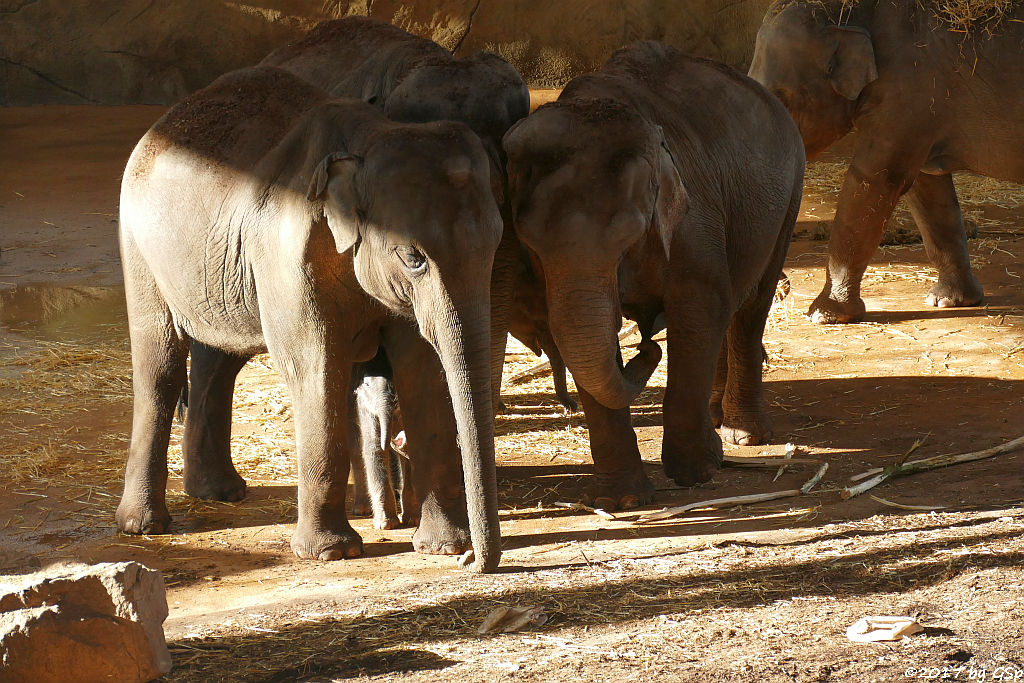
(61, 313)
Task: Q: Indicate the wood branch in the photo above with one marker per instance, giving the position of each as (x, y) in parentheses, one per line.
(739, 461)
(544, 366)
(734, 500)
(902, 469)
(586, 508)
(901, 506)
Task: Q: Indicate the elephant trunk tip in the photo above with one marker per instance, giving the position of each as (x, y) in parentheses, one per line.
(484, 565)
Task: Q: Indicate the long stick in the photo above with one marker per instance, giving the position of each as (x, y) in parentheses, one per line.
(742, 461)
(734, 500)
(925, 464)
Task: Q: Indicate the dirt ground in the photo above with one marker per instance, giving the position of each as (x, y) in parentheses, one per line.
(749, 593)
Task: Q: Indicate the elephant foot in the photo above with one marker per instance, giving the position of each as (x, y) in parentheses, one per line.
(747, 428)
(385, 521)
(828, 311)
(951, 293)
(324, 544)
(436, 535)
(689, 462)
(620, 490)
(227, 486)
(142, 519)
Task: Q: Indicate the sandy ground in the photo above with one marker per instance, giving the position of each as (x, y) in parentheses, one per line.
(749, 593)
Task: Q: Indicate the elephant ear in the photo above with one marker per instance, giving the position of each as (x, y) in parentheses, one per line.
(670, 200)
(334, 182)
(853, 64)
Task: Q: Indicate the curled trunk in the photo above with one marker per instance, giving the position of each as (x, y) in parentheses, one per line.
(585, 321)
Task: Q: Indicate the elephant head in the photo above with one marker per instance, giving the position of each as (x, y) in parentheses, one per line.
(481, 90)
(592, 181)
(413, 204)
(817, 68)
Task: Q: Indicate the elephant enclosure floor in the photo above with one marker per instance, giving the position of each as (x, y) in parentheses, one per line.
(750, 593)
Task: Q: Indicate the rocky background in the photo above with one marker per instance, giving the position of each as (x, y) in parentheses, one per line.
(156, 51)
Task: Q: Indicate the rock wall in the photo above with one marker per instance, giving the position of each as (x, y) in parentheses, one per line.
(156, 51)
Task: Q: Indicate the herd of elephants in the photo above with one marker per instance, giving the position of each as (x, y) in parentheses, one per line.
(378, 215)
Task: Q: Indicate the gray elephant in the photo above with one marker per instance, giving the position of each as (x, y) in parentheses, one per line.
(261, 214)
(925, 101)
(413, 80)
(380, 473)
(660, 187)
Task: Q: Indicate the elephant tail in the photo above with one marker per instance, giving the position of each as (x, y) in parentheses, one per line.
(182, 406)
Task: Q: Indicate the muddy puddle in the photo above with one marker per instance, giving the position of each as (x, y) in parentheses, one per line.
(61, 313)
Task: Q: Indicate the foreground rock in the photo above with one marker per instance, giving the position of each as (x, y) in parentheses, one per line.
(84, 623)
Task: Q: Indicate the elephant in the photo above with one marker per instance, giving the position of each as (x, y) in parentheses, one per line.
(925, 100)
(381, 475)
(410, 79)
(662, 188)
(260, 214)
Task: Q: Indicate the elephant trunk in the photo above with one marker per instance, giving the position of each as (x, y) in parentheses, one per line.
(503, 286)
(584, 322)
(461, 335)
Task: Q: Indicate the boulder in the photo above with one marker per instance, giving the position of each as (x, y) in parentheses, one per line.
(84, 623)
(146, 52)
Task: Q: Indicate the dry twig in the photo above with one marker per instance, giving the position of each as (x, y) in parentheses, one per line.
(734, 500)
(903, 468)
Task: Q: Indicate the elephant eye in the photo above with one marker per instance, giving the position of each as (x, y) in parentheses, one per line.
(413, 258)
(831, 68)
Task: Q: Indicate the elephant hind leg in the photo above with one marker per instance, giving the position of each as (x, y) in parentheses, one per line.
(936, 210)
(209, 472)
(745, 419)
(158, 376)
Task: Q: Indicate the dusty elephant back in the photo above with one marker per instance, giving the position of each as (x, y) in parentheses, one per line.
(355, 57)
(234, 121)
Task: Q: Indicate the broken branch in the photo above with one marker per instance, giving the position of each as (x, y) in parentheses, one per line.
(901, 469)
(734, 500)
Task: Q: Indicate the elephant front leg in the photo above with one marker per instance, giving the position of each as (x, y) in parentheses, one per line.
(718, 388)
(431, 441)
(319, 384)
(936, 210)
(621, 482)
(865, 204)
(557, 371)
(206, 447)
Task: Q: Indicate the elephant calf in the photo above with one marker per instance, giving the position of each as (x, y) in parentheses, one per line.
(662, 185)
(262, 214)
